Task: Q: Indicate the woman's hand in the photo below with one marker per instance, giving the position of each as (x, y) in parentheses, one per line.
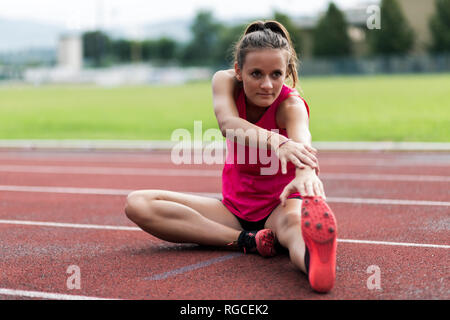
(298, 153)
(306, 182)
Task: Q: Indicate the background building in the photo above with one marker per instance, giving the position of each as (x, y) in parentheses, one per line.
(70, 52)
(418, 14)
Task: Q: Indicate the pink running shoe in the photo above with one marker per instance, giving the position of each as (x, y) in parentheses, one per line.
(265, 243)
(262, 241)
(319, 230)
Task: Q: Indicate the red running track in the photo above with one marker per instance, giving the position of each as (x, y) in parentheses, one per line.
(408, 242)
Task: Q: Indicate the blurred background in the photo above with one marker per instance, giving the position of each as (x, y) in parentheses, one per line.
(135, 43)
(114, 42)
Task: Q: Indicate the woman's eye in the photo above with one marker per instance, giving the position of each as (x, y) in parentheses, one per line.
(277, 74)
(255, 73)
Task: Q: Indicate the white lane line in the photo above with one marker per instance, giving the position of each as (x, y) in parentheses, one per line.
(191, 267)
(47, 295)
(387, 201)
(69, 190)
(167, 145)
(90, 191)
(122, 192)
(111, 171)
(165, 158)
(124, 228)
(203, 173)
(387, 243)
(68, 225)
(87, 157)
(384, 177)
(383, 162)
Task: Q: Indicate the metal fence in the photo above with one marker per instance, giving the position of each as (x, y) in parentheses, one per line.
(309, 67)
(376, 65)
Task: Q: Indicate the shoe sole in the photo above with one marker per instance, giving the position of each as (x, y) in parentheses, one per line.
(319, 230)
(265, 243)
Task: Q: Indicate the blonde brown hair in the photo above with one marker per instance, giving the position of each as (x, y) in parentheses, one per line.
(267, 35)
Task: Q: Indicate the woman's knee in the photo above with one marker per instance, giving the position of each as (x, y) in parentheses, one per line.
(138, 204)
(291, 219)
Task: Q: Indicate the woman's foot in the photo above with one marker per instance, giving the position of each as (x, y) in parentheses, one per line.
(319, 230)
(262, 241)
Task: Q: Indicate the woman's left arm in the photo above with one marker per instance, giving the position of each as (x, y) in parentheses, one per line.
(293, 116)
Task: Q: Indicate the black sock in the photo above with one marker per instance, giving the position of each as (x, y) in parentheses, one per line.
(307, 259)
(246, 241)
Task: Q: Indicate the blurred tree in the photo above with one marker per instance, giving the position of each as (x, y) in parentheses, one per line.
(293, 30)
(166, 49)
(136, 51)
(149, 50)
(96, 47)
(205, 33)
(99, 50)
(121, 50)
(395, 35)
(224, 50)
(159, 50)
(330, 35)
(440, 27)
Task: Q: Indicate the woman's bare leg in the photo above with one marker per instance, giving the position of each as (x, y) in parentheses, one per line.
(182, 218)
(286, 224)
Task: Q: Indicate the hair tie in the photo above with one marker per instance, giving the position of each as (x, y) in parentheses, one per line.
(257, 26)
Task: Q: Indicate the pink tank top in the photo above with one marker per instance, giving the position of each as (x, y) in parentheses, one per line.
(246, 192)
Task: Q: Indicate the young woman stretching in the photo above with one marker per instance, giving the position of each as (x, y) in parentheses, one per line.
(258, 211)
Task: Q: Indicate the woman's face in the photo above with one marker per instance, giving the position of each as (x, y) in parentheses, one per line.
(263, 75)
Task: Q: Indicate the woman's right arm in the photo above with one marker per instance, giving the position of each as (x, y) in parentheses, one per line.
(225, 109)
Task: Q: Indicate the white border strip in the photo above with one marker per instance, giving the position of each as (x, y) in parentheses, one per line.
(123, 228)
(47, 295)
(167, 145)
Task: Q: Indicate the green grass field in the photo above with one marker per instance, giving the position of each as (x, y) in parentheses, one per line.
(375, 108)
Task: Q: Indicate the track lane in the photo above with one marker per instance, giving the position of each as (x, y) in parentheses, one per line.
(387, 189)
(112, 262)
(410, 224)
